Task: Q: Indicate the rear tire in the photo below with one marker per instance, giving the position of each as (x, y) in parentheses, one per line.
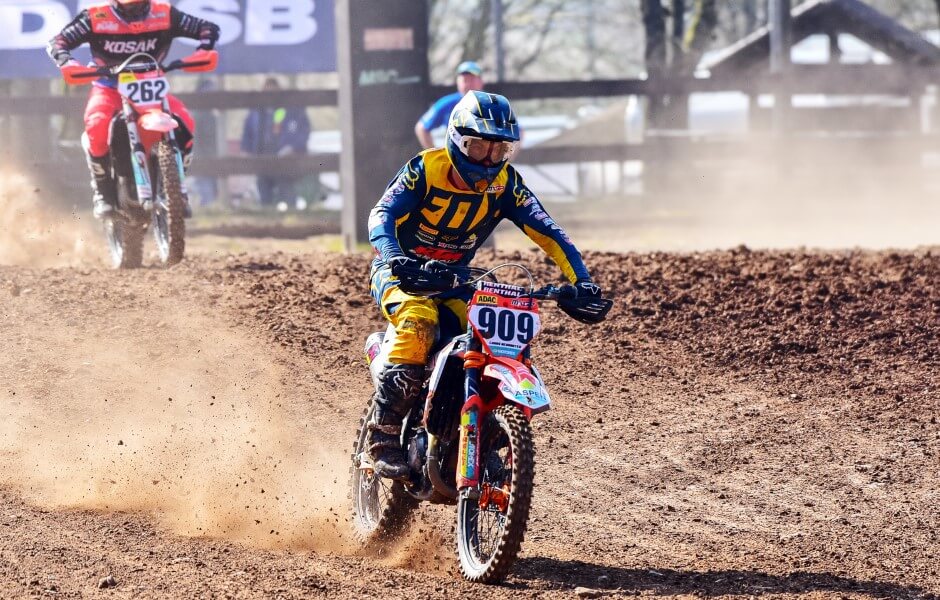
(125, 243)
(489, 538)
(169, 225)
(381, 508)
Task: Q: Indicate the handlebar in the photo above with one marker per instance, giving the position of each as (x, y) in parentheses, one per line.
(441, 282)
(205, 60)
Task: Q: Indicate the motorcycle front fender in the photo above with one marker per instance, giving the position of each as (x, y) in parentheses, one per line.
(157, 121)
(519, 384)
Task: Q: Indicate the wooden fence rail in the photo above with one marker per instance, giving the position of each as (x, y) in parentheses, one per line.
(866, 80)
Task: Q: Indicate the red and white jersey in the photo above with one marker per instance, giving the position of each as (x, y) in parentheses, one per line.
(112, 39)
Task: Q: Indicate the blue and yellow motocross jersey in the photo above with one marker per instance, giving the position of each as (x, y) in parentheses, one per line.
(423, 215)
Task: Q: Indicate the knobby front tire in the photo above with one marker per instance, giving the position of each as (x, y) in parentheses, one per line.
(169, 224)
(489, 538)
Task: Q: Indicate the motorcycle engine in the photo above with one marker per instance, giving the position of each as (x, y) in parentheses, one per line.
(418, 451)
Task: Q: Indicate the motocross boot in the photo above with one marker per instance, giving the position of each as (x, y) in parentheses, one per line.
(103, 186)
(399, 388)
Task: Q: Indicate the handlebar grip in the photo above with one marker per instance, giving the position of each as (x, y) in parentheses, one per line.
(82, 75)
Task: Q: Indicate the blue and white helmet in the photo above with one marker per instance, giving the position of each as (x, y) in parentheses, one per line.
(481, 137)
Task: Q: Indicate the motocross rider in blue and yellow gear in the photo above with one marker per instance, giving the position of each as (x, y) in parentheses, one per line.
(442, 206)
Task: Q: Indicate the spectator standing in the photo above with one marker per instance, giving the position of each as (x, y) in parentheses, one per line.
(276, 132)
(206, 146)
(469, 78)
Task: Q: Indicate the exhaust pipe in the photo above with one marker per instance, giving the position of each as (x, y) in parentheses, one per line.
(434, 472)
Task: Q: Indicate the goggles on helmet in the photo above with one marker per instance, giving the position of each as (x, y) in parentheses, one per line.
(485, 152)
(132, 9)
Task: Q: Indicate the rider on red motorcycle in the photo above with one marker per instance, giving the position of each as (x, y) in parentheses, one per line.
(115, 30)
(441, 206)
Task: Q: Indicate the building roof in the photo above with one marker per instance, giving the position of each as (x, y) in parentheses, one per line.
(904, 46)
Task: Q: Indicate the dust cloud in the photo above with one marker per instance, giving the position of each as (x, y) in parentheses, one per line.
(157, 408)
(763, 192)
(35, 235)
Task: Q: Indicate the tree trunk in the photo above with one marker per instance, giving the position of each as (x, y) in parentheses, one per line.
(700, 33)
(654, 24)
(476, 39)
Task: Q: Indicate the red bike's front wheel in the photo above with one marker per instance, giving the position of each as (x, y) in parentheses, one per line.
(169, 228)
(492, 518)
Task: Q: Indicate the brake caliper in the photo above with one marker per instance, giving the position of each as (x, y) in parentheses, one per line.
(494, 496)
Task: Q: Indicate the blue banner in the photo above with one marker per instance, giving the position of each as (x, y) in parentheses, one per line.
(258, 36)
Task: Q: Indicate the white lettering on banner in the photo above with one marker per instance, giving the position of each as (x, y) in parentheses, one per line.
(264, 23)
(53, 16)
(279, 22)
(217, 11)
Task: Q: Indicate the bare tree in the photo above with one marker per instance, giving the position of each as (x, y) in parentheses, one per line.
(654, 24)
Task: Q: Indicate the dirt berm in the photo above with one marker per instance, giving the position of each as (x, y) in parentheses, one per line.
(745, 425)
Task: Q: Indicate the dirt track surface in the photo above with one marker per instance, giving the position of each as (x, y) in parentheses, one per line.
(746, 424)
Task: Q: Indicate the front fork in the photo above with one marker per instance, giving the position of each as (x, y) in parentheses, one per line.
(139, 161)
(471, 415)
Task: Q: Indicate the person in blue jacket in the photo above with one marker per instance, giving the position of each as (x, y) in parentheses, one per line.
(441, 206)
(469, 78)
(276, 132)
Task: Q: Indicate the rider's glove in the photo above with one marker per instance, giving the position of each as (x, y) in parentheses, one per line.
(396, 263)
(583, 288)
(437, 268)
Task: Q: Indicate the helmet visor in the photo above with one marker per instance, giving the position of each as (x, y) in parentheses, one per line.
(486, 152)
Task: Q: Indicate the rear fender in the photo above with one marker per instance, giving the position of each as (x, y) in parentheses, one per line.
(379, 360)
(519, 384)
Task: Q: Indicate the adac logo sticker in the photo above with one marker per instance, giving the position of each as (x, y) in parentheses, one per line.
(486, 299)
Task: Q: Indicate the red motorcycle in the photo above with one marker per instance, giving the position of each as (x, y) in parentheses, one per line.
(145, 157)
(471, 442)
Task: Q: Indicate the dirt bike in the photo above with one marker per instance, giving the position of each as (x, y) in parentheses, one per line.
(146, 160)
(470, 443)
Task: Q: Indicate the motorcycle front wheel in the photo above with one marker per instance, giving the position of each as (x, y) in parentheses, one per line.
(381, 507)
(169, 226)
(492, 518)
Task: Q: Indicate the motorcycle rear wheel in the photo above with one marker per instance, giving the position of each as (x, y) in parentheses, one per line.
(125, 243)
(169, 226)
(381, 508)
(488, 536)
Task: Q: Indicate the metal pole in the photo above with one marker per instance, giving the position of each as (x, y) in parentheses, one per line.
(780, 26)
(591, 40)
(498, 34)
(779, 35)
